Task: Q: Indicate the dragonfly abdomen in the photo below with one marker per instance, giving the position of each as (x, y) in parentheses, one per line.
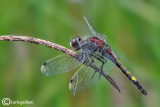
(130, 77)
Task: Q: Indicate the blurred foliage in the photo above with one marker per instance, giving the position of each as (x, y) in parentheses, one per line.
(132, 28)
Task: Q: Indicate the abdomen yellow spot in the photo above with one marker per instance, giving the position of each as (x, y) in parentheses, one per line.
(133, 78)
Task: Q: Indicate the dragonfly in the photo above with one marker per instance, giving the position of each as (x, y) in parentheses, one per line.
(91, 49)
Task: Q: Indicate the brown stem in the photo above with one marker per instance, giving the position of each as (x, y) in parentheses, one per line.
(58, 47)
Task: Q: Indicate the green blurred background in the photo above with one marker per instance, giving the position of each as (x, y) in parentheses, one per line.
(133, 31)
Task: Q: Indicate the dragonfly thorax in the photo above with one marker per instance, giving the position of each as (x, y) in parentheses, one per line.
(100, 43)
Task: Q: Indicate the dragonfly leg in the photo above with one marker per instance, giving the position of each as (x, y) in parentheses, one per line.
(95, 71)
(83, 57)
(101, 59)
(102, 67)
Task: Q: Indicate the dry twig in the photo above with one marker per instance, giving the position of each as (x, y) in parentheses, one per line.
(57, 47)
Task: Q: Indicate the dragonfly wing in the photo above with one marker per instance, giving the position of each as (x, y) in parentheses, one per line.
(82, 79)
(108, 66)
(94, 33)
(115, 55)
(59, 64)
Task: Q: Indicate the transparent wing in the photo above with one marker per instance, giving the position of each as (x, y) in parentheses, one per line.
(59, 64)
(108, 66)
(115, 55)
(82, 79)
(86, 76)
(94, 33)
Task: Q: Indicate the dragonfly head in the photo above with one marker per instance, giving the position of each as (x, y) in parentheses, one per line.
(75, 43)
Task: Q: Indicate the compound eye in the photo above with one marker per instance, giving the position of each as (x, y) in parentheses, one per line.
(79, 39)
(74, 44)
